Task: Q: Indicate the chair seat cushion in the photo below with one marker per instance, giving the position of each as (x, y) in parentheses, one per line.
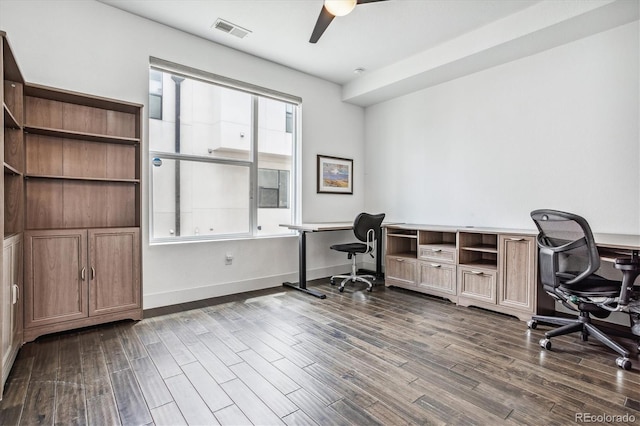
(594, 286)
(350, 247)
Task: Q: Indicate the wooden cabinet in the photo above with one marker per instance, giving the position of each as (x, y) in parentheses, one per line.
(11, 153)
(517, 288)
(438, 279)
(113, 270)
(54, 285)
(400, 259)
(437, 256)
(491, 268)
(82, 210)
(477, 270)
(476, 285)
(11, 302)
(77, 277)
(400, 271)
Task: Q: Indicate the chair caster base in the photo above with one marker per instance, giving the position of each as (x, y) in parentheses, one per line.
(545, 343)
(532, 324)
(623, 363)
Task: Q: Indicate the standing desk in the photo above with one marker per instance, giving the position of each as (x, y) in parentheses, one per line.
(303, 229)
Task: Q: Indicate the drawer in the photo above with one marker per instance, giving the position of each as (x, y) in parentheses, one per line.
(437, 277)
(437, 253)
(401, 270)
(477, 283)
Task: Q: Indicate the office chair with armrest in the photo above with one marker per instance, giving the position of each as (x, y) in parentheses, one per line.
(568, 259)
(366, 227)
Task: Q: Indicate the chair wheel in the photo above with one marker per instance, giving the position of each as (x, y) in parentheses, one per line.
(532, 324)
(332, 281)
(623, 363)
(369, 289)
(341, 289)
(545, 343)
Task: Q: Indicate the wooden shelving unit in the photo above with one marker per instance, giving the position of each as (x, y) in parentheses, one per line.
(11, 289)
(82, 174)
(490, 268)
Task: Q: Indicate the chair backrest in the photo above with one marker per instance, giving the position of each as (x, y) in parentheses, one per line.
(567, 249)
(366, 221)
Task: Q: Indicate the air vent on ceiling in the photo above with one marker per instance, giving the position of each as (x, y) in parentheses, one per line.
(230, 28)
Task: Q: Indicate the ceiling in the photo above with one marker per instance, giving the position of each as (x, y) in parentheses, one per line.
(402, 45)
(373, 36)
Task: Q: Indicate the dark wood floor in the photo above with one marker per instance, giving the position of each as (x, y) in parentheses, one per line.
(388, 357)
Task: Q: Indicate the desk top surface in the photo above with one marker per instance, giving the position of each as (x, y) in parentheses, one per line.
(318, 227)
(614, 241)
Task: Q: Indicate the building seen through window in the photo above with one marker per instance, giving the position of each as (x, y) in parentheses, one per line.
(221, 159)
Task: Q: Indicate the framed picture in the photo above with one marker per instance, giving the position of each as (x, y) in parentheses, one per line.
(335, 175)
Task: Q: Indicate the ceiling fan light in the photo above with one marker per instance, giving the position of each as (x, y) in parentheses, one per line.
(339, 7)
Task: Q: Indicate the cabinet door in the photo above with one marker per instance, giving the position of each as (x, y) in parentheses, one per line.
(114, 256)
(55, 276)
(11, 302)
(437, 277)
(400, 271)
(477, 283)
(517, 272)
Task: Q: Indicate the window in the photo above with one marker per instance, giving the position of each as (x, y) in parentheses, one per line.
(222, 158)
(155, 95)
(289, 118)
(273, 189)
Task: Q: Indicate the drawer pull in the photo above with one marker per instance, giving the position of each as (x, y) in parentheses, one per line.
(476, 272)
(516, 239)
(399, 260)
(436, 250)
(436, 265)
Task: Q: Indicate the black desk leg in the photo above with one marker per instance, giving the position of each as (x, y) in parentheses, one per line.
(302, 265)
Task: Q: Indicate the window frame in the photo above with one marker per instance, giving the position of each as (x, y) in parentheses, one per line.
(256, 93)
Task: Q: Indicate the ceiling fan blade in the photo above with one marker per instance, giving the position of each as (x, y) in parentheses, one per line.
(322, 23)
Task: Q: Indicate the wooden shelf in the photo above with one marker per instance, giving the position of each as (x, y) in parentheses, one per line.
(69, 134)
(32, 176)
(442, 246)
(9, 120)
(402, 235)
(405, 255)
(484, 248)
(9, 169)
(482, 264)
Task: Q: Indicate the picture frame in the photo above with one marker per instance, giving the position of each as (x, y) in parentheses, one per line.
(334, 175)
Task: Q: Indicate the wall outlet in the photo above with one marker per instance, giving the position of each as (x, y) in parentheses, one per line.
(228, 260)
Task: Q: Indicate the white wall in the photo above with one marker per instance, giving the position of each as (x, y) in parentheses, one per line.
(89, 47)
(554, 130)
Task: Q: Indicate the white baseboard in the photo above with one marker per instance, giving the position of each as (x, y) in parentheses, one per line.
(183, 295)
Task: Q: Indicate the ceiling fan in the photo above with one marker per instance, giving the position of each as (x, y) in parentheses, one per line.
(330, 10)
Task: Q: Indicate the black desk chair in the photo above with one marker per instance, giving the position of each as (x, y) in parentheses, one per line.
(568, 259)
(366, 227)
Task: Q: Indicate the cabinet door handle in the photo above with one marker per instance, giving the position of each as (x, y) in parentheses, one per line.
(93, 273)
(16, 293)
(476, 272)
(436, 265)
(436, 250)
(82, 273)
(516, 239)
